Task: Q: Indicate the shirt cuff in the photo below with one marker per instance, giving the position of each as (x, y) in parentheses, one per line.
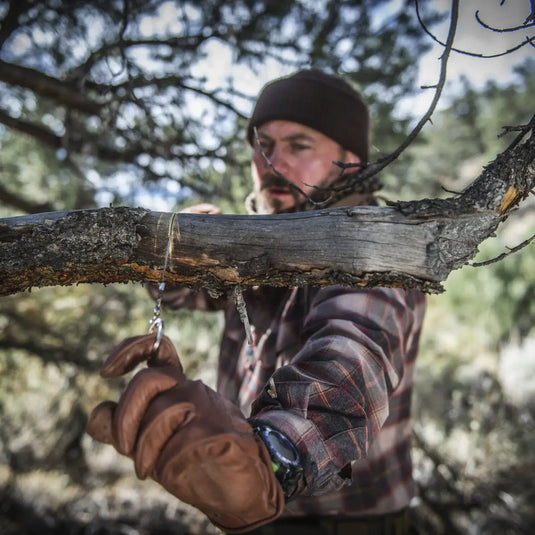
(320, 474)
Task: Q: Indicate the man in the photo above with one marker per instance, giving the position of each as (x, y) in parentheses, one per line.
(317, 437)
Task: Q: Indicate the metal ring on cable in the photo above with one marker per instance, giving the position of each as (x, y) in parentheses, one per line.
(156, 323)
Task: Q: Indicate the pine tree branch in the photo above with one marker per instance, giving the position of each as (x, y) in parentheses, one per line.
(10, 198)
(48, 87)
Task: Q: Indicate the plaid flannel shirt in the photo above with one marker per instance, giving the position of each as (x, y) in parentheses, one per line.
(333, 369)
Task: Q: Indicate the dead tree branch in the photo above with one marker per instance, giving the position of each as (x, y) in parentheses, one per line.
(411, 244)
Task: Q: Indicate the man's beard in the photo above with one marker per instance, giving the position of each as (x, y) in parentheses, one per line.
(268, 204)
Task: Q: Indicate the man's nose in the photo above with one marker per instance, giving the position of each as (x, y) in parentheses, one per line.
(278, 159)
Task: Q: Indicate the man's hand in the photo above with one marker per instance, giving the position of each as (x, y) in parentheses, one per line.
(202, 208)
(188, 438)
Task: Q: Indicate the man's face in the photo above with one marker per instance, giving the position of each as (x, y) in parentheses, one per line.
(302, 155)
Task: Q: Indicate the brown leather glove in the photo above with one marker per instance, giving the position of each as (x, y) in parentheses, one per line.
(188, 438)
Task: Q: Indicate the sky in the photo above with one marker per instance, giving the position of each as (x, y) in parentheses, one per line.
(472, 37)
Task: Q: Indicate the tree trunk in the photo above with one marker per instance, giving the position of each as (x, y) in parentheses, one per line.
(410, 244)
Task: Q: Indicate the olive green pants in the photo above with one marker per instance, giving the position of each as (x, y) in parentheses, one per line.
(390, 524)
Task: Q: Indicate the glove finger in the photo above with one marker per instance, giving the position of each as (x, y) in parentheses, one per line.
(137, 349)
(172, 410)
(99, 424)
(131, 408)
(165, 356)
(162, 420)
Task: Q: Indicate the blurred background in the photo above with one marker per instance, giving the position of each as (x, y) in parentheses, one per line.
(143, 103)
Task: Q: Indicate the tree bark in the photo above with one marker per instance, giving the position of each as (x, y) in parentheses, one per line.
(410, 244)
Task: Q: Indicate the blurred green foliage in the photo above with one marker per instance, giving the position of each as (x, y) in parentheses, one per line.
(463, 138)
(473, 453)
(474, 407)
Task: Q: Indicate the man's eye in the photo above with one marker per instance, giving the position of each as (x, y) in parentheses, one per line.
(264, 147)
(299, 147)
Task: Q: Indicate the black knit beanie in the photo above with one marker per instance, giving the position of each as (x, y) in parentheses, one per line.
(320, 101)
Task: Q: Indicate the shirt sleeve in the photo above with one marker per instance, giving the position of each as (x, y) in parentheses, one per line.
(333, 398)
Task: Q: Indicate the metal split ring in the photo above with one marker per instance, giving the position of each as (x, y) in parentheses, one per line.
(156, 324)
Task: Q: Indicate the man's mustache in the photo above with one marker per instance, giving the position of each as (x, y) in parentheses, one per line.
(276, 181)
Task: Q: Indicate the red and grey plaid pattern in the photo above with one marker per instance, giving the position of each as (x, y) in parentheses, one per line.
(332, 368)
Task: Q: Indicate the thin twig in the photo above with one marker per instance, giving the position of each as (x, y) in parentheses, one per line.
(529, 40)
(518, 128)
(504, 30)
(383, 162)
(444, 188)
(523, 131)
(504, 255)
(531, 16)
